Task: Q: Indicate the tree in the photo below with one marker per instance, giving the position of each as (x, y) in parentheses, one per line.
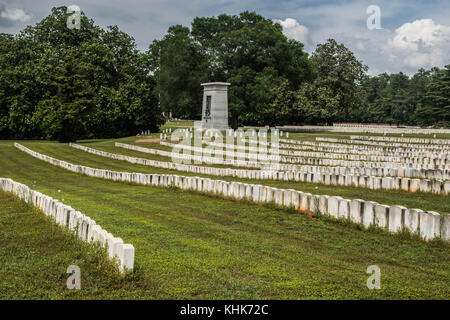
(436, 101)
(63, 116)
(245, 50)
(67, 84)
(395, 98)
(179, 68)
(317, 104)
(280, 110)
(339, 74)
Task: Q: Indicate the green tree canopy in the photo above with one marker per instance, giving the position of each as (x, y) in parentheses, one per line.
(333, 96)
(67, 84)
(247, 50)
(179, 68)
(243, 49)
(435, 109)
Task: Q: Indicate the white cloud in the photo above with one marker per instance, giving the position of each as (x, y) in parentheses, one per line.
(413, 45)
(421, 43)
(292, 29)
(425, 31)
(417, 43)
(15, 15)
(367, 46)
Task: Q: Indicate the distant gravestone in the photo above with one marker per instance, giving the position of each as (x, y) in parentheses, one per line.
(215, 105)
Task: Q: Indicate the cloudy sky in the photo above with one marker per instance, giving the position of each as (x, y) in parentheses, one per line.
(413, 34)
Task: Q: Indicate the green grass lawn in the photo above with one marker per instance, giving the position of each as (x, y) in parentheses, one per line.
(177, 124)
(35, 254)
(190, 245)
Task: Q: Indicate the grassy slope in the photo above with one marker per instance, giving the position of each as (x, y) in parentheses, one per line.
(423, 201)
(195, 246)
(35, 254)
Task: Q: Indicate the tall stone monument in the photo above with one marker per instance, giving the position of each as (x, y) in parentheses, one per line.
(215, 105)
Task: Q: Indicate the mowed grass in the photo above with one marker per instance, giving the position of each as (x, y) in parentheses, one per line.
(35, 254)
(424, 201)
(195, 246)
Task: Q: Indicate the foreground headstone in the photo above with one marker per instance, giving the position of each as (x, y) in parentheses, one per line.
(446, 187)
(125, 254)
(429, 223)
(287, 197)
(386, 183)
(344, 208)
(256, 193)
(333, 206)
(295, 199)
(369, 213)
(314, 203)
(323, 204)
(278, 197)
(270, 194)
(425, 186)
(411, 220)
(304, 202)
(356, 210)
(396, 214)
(382, 215)
(112, 246)
(414, 185)
(405, 184)
(445, 227)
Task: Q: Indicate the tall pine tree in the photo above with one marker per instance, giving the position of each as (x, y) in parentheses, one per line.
(436, 107)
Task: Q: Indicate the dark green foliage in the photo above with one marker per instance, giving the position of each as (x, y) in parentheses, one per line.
(331, 96)
(423, 99)
(435, 108)
(179, 68)
(58, 83)
(392, 98)
(67, 84)
(335, 88)
(247, 50)
(275, 83)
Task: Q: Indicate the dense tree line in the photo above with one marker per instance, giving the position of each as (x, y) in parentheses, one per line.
(67, 84)
(246, 50)
(274, 82)
(422, 99)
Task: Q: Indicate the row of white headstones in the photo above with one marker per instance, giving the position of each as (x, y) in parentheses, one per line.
(428, 225)
(76, 222)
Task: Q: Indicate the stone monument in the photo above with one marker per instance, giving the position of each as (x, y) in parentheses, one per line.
(215, 105)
